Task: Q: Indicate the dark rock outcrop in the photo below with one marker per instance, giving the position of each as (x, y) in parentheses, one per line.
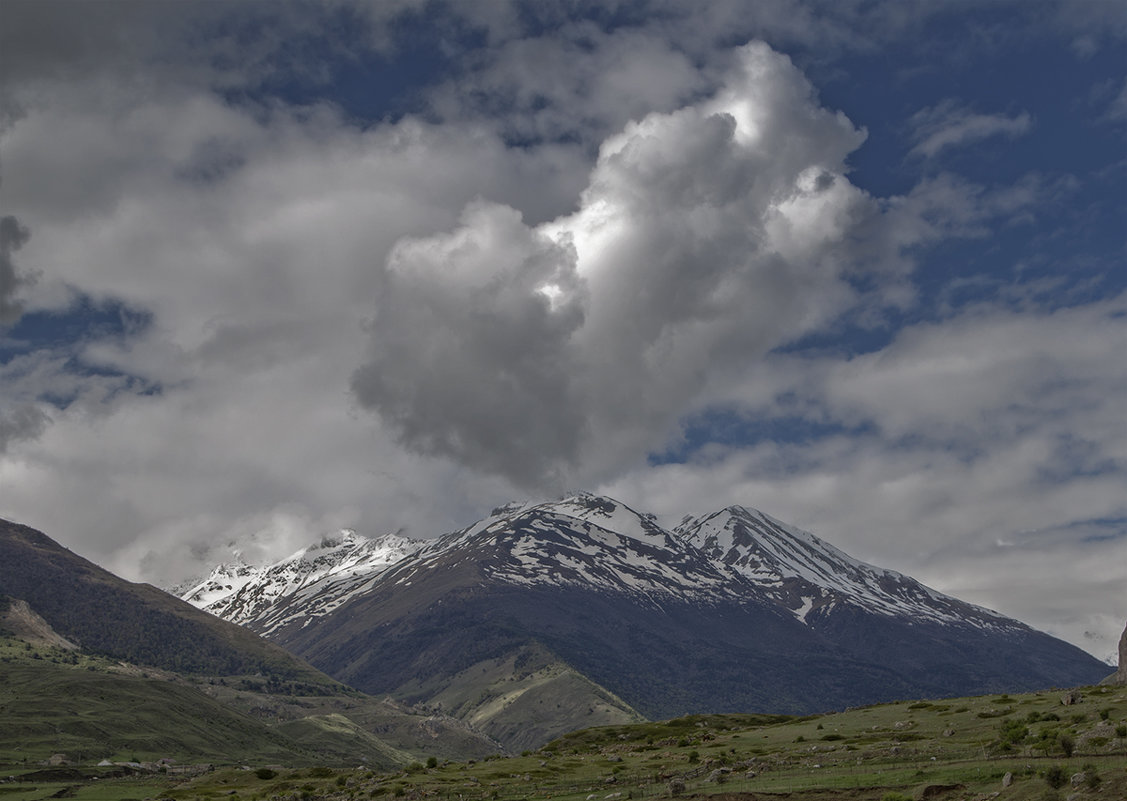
(1120, 676)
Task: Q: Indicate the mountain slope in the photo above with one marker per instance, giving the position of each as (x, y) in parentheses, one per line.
(51, 597)
(18, 619)
(523, 698)
(866, 610)
(96, 709)
(813, 579)
(731, 611)
(135, 622)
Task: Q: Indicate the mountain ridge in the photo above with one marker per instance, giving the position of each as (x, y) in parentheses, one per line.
(632, 564)
(342, 563)
(757, 546)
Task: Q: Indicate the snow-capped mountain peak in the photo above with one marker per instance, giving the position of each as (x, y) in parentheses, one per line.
(582, 540)
(732, 609)
(811, 577)
(224, 580)
(322, 576)
(346, 551)
(595, 543)
(767, 550)
(615, 516)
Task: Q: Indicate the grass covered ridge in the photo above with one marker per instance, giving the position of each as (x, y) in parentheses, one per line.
(90, 708)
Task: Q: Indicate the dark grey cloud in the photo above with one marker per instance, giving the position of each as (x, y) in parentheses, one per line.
(146, 44)
(579, 85)
(470, 355)
(25, 422)
(13, 235)
(72, 40)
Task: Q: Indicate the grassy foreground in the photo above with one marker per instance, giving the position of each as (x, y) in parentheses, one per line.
(951, 749)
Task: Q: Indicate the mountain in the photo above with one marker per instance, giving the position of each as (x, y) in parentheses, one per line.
(815, 580)
(733, 611)
(106, 666)
(315, 580)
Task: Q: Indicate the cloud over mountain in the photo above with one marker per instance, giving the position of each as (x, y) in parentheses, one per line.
(387, 265)
(705, 237)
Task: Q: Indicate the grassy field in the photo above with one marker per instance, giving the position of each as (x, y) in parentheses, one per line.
(950, 749)
(89, 708)
(90, 711)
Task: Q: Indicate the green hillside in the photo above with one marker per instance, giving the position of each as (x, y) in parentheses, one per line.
(89, 708)
(99, 665)
(134, 622)
(955, 749)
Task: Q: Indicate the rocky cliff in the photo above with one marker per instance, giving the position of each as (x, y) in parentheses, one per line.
(1120, 676)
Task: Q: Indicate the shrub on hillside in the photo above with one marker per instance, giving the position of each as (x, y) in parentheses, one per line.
(1013, 731)
(1055, 776)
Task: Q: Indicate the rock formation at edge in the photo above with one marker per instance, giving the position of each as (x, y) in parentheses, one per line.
(1120, 676)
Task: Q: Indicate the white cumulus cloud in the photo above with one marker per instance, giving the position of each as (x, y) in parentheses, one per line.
(706, 237)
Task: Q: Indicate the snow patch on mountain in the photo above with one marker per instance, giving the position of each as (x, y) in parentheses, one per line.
(315, 579)
(807, 574)
(223, 581)
(610, 515)
(583, 541)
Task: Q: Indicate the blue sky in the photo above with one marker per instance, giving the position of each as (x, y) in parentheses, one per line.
(270, 269)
